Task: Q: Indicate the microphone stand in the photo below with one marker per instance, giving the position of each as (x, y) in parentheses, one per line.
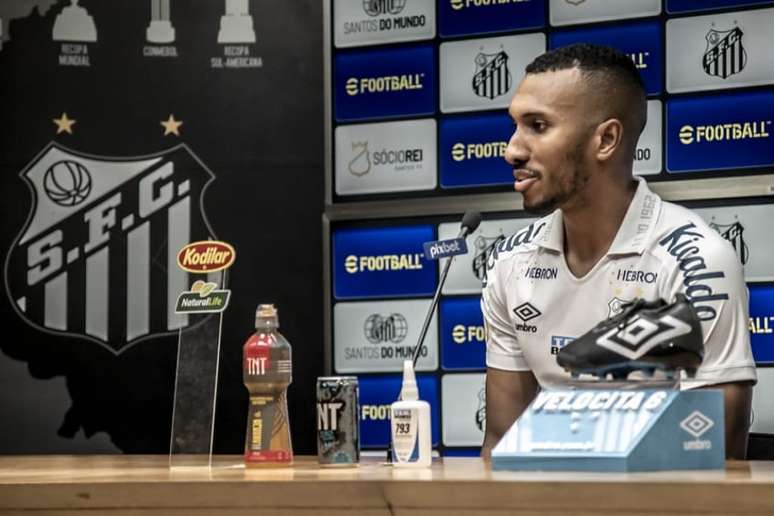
(468, 226)
(463, 234)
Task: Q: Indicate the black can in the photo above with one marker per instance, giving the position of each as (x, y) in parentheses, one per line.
(338, 432)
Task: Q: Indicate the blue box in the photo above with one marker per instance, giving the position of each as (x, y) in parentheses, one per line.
(377, 393)
(472, 148)
(762, 323)
(595, 430)
(641, 41)
(385, 83)
(462, 17)
(383, 262)
(463, 339)
(462, 452)
(683, 6)
(720, 132)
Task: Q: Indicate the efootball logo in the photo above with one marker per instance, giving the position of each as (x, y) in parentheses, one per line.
(97, 257)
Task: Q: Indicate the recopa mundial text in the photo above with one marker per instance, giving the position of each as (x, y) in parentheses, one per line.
(597, 400)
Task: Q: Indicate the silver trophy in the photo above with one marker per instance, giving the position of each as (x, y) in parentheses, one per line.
(236, 26)
(160, 29)
(74, 24)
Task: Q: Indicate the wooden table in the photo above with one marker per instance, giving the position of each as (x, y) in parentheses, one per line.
(144, 485)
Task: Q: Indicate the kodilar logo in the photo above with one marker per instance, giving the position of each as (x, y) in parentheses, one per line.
(206, 256)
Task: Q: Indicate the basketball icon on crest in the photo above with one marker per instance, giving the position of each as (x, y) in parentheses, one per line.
(67, 183)
(492, 77)
(725, 54)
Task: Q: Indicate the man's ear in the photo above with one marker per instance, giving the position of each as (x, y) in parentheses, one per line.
(608, 138)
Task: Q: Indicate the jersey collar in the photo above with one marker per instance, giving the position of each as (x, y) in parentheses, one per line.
(632, 236)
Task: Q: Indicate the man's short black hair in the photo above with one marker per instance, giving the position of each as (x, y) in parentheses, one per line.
(607, 69)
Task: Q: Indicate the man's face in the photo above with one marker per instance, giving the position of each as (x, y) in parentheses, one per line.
(547, 150)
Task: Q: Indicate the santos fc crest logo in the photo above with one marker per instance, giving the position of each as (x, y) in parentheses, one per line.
(97, 257)
(492, 77)
(725, 55)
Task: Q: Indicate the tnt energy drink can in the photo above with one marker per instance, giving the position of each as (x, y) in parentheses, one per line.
(338, 435)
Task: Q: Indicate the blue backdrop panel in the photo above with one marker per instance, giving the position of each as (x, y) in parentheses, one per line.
(720, 132)
(463, 344)
(377, 393)
(460, 17)
(382, 262)
(680, 6)
(762, 323)
(385, 83)
(471, 150)
(642, 41)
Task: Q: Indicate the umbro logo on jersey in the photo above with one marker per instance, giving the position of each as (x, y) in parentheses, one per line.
(526, 312)
(641, 334)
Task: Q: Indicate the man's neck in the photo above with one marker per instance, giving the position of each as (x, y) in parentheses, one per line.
(590, 226)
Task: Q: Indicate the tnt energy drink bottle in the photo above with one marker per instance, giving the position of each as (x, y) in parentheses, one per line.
(338, 442)
(266, 369)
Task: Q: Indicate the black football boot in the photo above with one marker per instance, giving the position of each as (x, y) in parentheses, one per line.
(644, 336)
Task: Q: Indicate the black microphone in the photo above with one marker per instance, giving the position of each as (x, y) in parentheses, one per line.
(469, 224)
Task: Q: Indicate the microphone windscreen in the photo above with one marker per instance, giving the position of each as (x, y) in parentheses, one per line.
(471, 220)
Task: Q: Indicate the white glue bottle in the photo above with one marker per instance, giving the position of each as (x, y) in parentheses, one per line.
(410, 420)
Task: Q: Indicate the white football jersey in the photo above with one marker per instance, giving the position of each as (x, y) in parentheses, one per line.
(533, 305)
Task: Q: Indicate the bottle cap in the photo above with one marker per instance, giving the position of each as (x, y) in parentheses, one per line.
(409, 391)
(266, 317)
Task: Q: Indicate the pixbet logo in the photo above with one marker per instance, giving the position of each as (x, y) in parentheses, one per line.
(445, 248)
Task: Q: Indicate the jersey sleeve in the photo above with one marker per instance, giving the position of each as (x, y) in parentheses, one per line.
(713, 279)
(502, 346)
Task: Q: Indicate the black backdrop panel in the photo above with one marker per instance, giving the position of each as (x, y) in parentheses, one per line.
(257, 129)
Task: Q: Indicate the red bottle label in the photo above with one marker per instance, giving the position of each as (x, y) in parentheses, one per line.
(256, 354)
(269, 456)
